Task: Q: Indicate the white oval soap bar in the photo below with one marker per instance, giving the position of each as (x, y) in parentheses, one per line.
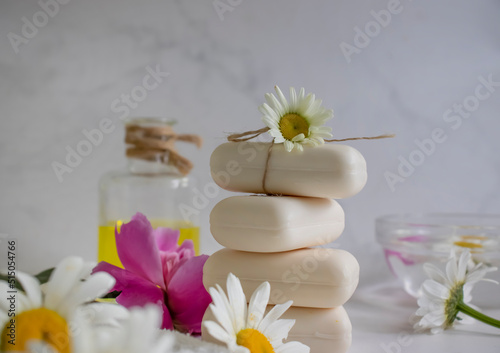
(312, 277)
(329, 171)
(323, 330)
(275, 223)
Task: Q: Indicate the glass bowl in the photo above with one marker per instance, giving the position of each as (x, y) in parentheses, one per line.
(410, 240)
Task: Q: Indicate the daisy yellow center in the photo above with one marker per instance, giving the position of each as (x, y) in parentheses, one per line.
(466, 244)
(38, 324)
(292, 125)
(254, 340)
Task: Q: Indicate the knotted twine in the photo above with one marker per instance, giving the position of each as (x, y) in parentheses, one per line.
(157, 144)
(249, 135)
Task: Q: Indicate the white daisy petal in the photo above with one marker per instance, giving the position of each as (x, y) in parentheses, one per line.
(266, 110)
(94, 287)
(435, 289)
(22, 301)
(462, 265)
(270, 123)
(86, 270)
(103, 314)
(435, 319)
(302, 93)
(293, 347)
(275, 133)
(65, 276)
(279, 139)
(299, 137)
(222, 311)
(282, 98)
(434, 273)
(257, 305)
(451, 270)
(289, 146)
(273, 102)
(314, 108)
(239, 349)
(278, 330)
(304, 104)
(31, 287)
(237, 300)
(274, 314)
(218, 332)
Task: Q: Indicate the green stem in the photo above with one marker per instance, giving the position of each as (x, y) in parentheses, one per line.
(477, 315)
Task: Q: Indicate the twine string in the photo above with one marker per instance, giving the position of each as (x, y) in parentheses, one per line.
(157, 144)
(385, 136)
(266, 170)
(248, 135)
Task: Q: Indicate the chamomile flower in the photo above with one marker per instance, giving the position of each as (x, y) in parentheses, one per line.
(137, 333)
(246, 329)
(296, 122)
(476, 243)
(53, 315)
(445, 296)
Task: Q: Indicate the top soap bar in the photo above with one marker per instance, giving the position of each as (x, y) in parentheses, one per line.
(329, 171)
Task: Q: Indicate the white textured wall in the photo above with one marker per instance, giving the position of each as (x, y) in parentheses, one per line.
(430, 56)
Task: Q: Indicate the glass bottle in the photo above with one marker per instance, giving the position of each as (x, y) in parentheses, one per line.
(151, 187)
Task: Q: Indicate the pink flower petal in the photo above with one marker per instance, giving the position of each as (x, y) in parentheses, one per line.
(138, 251)
(140, 293)
(186, 248)
(171, 263)
(187, 298)
(123, 277)
(166, 238)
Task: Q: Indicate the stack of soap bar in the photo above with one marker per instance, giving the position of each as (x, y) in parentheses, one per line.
(270, 238)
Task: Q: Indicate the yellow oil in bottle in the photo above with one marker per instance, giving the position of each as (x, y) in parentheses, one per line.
(107, 246)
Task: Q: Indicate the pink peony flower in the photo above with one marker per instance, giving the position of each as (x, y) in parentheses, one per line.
(157, 270)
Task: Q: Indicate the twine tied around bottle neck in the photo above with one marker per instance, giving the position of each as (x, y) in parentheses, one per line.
(157, 144)
(249, 135)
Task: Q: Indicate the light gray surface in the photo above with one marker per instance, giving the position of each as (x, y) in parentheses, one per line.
(430, 56)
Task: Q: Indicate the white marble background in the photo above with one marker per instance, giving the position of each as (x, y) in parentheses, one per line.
(428, 57)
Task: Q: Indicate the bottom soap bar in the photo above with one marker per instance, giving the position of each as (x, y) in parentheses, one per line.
(323, 330)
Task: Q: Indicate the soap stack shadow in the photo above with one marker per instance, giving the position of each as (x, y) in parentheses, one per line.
(271, 238)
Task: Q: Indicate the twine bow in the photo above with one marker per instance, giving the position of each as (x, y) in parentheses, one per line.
(157, 144)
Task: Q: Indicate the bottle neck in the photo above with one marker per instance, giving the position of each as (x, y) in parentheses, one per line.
(143, 167)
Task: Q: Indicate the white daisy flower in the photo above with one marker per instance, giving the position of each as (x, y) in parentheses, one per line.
(445, 296)
(246, 329)
(138, 332)
(296, 122)
(478, 245)
(54, 314)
